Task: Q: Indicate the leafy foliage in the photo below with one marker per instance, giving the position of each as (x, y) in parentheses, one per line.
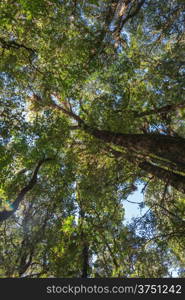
(91, 108)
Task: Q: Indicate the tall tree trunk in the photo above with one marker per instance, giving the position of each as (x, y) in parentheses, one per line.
(164, 146)
(167, 147)
(85, 256)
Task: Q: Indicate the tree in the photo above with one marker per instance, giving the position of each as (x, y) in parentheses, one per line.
(92, 105)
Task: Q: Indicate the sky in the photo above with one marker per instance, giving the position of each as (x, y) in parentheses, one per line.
(132, 209)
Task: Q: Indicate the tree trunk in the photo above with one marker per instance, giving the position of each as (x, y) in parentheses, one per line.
(164, 146)
(85, 256)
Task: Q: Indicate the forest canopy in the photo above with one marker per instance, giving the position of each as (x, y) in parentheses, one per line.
(92, 109)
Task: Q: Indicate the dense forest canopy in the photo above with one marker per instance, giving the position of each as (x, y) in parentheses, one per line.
(92, 107)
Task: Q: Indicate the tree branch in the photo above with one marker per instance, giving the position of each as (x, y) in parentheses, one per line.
(125, 5)
(67, 112)
(5, 214)
(15, 45)
(165, 109)
(173, 179)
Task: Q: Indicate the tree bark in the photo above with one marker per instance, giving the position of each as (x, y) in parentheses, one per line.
(85, 256)
(161, 145)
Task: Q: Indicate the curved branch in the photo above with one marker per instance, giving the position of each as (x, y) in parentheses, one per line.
(15, 45)
(5, 214)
